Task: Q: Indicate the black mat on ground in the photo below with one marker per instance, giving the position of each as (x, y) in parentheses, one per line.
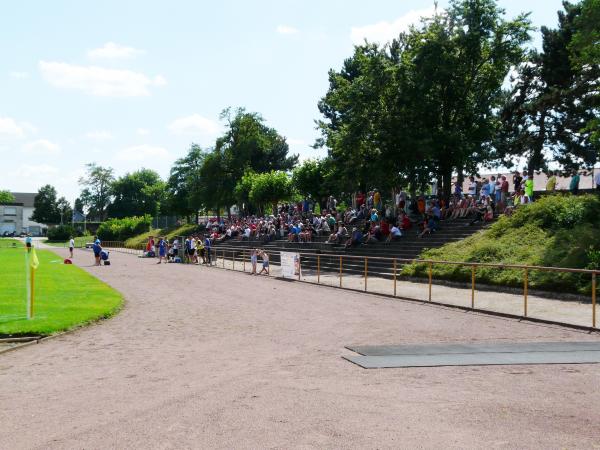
(479, 354)
(480, 347)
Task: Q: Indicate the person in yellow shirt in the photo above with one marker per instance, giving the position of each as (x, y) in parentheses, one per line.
(551, 184)
(377, 200)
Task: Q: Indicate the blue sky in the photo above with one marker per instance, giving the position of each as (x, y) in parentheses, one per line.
(130, 84)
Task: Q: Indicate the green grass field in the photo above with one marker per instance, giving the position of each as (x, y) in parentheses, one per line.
(65, 295)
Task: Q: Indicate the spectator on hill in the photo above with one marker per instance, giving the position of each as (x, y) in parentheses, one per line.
(429, 226)
(377, 200)
(401, 200)
(472, 189)
(395, 233)
(551, 183)
(517, 179)
(207, 249)
(574, 185)
(492, 187)
(404, 222)
(458, 190)
(484, 192)
(528, 187)
(355, 239)
(504, 190)
(597, 181)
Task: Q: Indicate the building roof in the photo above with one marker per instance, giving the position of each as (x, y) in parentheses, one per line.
(26, 198)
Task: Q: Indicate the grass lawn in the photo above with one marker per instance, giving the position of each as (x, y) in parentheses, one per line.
(65, 295)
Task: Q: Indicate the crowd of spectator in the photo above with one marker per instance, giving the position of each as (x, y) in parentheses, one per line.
(368, 220)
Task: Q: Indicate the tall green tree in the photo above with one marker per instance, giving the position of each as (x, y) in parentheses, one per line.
(269, 188)
(551, 103)
(137, 194)
(45, 206)
(65, 211)
(183, 185)
(96, 193)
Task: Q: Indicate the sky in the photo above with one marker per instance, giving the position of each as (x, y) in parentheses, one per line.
(131, 84)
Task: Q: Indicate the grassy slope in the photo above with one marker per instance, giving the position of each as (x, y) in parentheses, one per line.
(66, 296)
(141, 239)
(555, 231)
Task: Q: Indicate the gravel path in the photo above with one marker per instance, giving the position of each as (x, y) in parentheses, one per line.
(207, 358)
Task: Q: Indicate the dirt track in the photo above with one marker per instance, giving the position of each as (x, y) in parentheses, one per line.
(210, 358)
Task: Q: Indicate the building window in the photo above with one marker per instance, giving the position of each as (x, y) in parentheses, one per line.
(10, 211)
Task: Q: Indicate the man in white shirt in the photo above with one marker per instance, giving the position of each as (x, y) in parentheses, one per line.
(71, 247)
(472, 186)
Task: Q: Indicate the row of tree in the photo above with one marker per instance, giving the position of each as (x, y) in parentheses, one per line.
(460, 91)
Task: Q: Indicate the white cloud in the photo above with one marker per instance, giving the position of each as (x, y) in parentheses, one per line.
(99, 81)
(10, 128)
(384, 31)
(41, 170)
(100, 135)
(16, 75)
(142, 131)
(194, 125)
(110, 50)
(291, 141)
(286, 29)
(41, 147)
(140, 153)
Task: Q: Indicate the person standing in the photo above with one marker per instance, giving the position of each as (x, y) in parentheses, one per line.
(597, 181)
(162, 250)
(28, 243)
(551, 184)
(529, 187)
(71, 247)
(574, 185)
(265, 264)
(517, 179)
(253, 260)
(207, 249)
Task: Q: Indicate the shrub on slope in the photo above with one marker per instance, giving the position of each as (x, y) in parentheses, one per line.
(557, 231)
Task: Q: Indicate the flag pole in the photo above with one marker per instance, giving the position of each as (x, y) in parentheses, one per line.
(27, 284)
(32, 289)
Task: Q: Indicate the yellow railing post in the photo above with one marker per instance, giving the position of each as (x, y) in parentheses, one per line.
(299, 268)
(318, 269)
(472, 287)
(233, 260)
(430, 278)
(525, 291)
(594, 300)
(341, 271)
(395, 276)
(223, 264)
(366, 271)
(244, 260)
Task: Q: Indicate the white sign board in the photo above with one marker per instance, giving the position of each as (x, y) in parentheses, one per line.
(290, 264)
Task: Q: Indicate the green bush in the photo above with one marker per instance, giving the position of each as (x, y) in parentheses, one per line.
(122, 229)
(555, 231)
(61, 233)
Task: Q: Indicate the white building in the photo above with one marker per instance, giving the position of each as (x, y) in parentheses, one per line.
(15, 217)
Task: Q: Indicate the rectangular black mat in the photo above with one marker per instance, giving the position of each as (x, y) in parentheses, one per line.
(476, 359)
(471, 348)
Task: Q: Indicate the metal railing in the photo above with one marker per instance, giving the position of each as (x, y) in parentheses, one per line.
(342, 268)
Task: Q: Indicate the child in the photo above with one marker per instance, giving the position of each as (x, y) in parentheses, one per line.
(71, 246)
(265, 267)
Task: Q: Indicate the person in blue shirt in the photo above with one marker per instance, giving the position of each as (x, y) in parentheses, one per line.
(97, 248)
(162, 250)
(207, 249)
(28, 243)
